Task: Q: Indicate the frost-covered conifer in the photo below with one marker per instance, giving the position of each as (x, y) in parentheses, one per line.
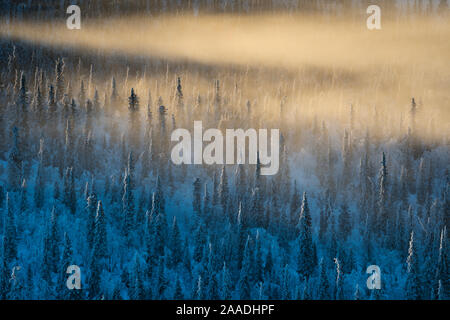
(69, 193)
(59, 80)
(305, 260)
(196, 202)
(100, 240)
(323, 285)
(51, 247)
(223, 189)
(175, 244)
(413, 286)
(244, 285)
(128, 206)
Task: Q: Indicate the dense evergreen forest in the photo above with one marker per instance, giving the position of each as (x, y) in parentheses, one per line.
(86, 178)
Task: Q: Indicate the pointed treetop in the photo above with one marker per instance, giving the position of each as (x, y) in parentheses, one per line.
(23, 82)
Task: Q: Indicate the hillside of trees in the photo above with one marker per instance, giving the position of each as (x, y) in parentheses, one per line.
(86, 179)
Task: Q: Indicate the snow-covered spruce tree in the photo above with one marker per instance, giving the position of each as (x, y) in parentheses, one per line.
(305, 259)
(114, 93)
(39, 186)
(100, 237)
(161, 281)
(413, 286)
(162, 137)
(94, 289)
(217, 100)
(206, 209)
(138, 286)
(338, 288)
(240, 237)
(131, 170)
(226, 283)
(74, 110)
(128, 208)
(69, 91)
(285, 283)
(91, 211)
(240, 182)
(428, 267)
(39, 109)
(442, 274)
(323, 286)
(284, 229)
(176, 249)
(99, 255)
(331, 183)
(347, 160)
(200, 235)
(51, 249)
(69, 194)
(87, 148)
(415, 145)
(196, 198)
(323, 220)
(295, 205)
(258, 179)
(96, 103)
(69, 146)
(440, 292)
(179, 95)
(59, 80)
(148, 156)
(198, 289)
(12, 64)
(284, 174)
(269, 264)
(215, 193)
(23, 205)
(52, 106)
(223, 191)
(151, 257)
(134, 124)
(256, 215)
(159, 231)
(212, 291)
(159, 196)
(383, 217)
(258, 265)
(244, 284)
(17, 283)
